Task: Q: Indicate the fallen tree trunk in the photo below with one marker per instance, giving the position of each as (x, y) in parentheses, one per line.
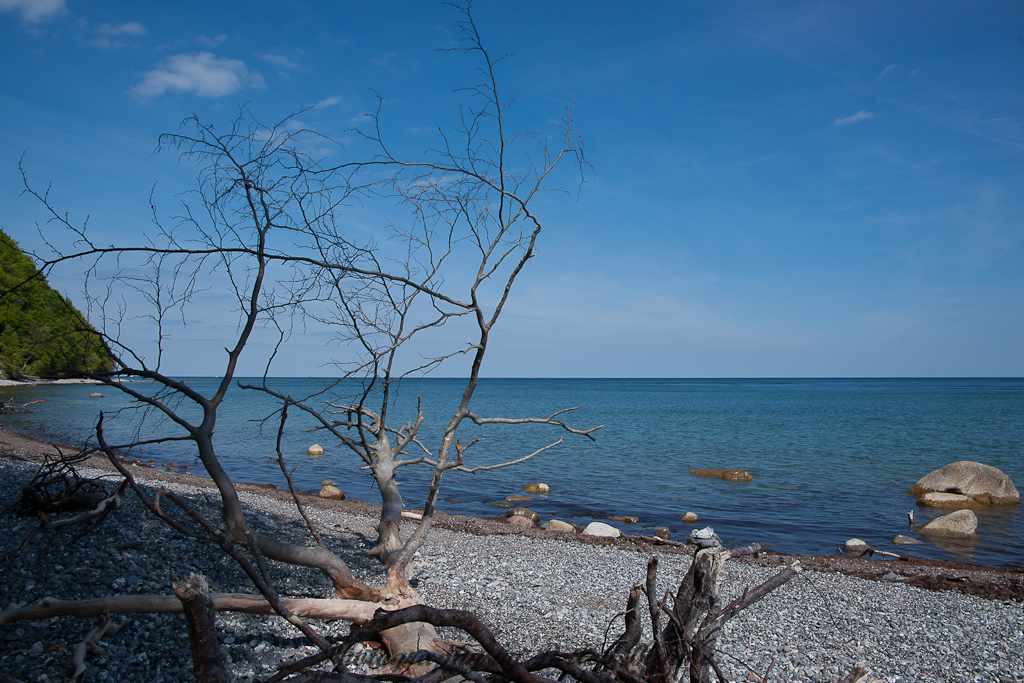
(325, 609)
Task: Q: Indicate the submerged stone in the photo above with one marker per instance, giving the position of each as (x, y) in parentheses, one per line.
(725, 475)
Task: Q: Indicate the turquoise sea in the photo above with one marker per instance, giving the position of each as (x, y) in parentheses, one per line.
(831, 458)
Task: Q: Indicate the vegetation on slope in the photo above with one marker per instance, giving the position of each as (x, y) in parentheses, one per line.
(41, 332)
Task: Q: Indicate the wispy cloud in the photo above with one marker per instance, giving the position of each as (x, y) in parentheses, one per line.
(278, 60)
(202, 73)
(862, 115)
(130, 28)
(328, 102)
(886, 71)
(109, 36)
(216, 41)
(34, 10)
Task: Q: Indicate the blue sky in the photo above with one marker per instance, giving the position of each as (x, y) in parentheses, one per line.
(790, 189)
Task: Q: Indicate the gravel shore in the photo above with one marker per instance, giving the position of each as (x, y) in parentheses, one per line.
(536, 592)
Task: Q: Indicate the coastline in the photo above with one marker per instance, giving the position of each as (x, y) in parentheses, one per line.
(813, 487)
(37, 381)
(992, 583)
(535, 589)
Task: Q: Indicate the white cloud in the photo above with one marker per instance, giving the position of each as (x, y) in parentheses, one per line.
(34, 10)
(886, 71)
(280, 61)
(328, 102)
(856, 118)
(108, 34)
(202, 73)
(131, 28)
(216, 41)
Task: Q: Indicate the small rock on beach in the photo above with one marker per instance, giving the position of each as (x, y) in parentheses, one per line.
(524, 512)
(601, 529)
(331, 493)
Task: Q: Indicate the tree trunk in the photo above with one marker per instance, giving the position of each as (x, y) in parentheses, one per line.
(200, 618)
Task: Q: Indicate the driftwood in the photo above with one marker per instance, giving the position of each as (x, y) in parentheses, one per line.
(357, 611)
(657, 540)
(39, 497)
(90, 645)
(201, 620)
(684, 646)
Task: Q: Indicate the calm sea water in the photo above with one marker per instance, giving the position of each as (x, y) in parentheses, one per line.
(831, 458)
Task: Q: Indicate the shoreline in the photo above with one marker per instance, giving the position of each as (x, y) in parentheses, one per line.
(536, 590)
(38, 381)
(994, 583)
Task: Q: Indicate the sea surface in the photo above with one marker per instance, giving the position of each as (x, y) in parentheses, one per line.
(831, 459)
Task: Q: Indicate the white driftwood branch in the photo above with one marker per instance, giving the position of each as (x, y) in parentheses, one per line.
(314, 608)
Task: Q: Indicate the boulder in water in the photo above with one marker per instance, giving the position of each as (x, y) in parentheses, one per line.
(856, 547)
(689, 517)
(537, 487)
(315, 449)
(986, 484)
(959, 524)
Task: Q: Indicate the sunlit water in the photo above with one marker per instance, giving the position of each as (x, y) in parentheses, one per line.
(831, 459)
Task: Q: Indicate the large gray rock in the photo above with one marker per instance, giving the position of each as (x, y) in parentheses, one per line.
(959, 524)
(983, 483)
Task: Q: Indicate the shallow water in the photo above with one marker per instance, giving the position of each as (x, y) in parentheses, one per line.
(831, 459)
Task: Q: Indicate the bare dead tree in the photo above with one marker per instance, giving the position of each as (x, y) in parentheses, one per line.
(265, 224)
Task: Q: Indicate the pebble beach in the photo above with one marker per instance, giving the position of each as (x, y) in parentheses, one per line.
(535, 592)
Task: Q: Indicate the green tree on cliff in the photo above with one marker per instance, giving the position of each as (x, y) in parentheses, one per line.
(41, 332)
